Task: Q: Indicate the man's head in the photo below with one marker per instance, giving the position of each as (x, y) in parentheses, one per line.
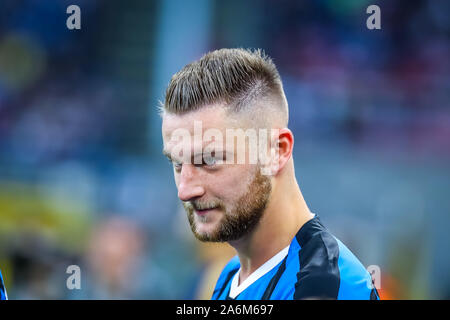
(217, 174)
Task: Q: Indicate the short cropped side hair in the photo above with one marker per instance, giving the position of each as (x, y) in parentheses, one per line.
(235, 77)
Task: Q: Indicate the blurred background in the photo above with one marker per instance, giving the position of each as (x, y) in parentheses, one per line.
(83, 181)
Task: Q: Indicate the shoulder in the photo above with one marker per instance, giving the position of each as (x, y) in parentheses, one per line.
(328, 269)
(355, 280)
(319, 276)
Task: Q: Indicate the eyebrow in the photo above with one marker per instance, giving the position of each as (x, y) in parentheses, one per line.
(167, 154)
(223, 152)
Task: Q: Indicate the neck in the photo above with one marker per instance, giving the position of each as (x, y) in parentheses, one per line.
(285, 214)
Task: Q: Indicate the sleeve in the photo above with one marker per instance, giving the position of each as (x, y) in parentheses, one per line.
(317, 286)
(319, 276)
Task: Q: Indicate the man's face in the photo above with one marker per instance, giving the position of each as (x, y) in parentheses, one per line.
(224, 201)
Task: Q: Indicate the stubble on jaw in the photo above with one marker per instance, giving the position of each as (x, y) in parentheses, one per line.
(243, 217)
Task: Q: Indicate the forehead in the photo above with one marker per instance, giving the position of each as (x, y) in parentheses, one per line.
(210, 117)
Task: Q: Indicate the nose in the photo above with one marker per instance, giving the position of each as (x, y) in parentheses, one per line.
(189, 186)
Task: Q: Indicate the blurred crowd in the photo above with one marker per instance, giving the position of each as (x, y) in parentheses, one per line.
(82, 180)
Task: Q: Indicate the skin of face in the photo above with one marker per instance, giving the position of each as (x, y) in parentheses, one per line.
(225, 201)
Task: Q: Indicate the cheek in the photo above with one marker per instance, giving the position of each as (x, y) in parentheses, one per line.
(231, 183)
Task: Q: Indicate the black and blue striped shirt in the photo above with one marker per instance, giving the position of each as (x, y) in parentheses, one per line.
(316, 265)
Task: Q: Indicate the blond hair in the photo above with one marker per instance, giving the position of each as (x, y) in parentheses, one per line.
(234, 77)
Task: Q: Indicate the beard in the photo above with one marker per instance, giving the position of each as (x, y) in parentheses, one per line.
(239, 220)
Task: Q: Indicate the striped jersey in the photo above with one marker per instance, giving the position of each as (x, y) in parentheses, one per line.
(316, 265)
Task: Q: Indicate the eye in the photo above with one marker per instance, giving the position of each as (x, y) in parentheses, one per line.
(175, 164)
(209, 161)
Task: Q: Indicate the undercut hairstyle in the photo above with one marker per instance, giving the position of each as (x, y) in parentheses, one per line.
(237, 78)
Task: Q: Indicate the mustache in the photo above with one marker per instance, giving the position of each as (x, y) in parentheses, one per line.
(202, 205)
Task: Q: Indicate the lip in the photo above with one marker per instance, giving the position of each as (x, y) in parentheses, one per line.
(203, 212)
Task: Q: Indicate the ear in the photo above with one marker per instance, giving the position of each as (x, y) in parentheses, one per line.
(281, 149)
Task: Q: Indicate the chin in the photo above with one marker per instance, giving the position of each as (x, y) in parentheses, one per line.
(205, 229)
